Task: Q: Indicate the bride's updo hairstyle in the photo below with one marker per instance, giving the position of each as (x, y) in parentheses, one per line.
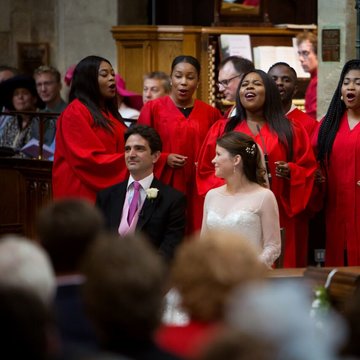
(237, 143)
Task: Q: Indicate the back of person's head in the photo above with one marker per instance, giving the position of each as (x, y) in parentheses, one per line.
(124, 288)
(47, 69)
(148, 133)
(186, 59)
(240, 64)
(162, 76)
(25, 265)
(206, 270)
(25, 325)
(307, 35)
(279, 312)
(237, 143)
(65, 229)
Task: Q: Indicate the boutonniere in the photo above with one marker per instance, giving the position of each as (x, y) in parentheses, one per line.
(152, 193)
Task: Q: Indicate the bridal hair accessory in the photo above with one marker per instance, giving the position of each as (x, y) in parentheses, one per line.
(152, 193)
(250, 149)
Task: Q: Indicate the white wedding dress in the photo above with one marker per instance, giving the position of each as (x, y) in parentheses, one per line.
(254, 215)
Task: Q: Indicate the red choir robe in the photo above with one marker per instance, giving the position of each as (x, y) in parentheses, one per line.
(315, 202)
(87, 158)
(342, 206)
(291, 194)
(184, 136)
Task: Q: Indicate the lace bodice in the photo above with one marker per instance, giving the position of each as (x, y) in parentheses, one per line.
(254, 215)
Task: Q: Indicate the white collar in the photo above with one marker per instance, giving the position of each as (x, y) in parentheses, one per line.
(145, 182)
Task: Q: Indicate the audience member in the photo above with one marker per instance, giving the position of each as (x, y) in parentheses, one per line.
(338, 149)
(6, 72)
(182, 123)
(25, 265)
(291, 162)
(123, 293)
(244, 204)
(231, 70)
(307, 51)
(129, 103)
(26, 327)
(160, 209)
(66, 228)
(90, 134)
(205, 271)
(19, 94)
(156, 84)
(278, 313)
(48, 86)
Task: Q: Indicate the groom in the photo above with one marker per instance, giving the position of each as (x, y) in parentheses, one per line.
(143, 203)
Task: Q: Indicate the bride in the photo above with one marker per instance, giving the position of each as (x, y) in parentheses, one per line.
(243, 204)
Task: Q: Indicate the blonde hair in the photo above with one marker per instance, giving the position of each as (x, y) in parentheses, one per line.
(206, 270)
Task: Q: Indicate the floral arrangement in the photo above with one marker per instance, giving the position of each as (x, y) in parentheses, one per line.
(152, 193)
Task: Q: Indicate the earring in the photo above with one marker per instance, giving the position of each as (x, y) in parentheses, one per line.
(234, 169)
(341, 98)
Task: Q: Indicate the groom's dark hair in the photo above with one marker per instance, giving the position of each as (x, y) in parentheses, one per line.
(148, 133)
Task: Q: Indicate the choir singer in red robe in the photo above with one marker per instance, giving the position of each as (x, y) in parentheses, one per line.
(182, 123)
(290, 160)
(339, 153)
(89, 152)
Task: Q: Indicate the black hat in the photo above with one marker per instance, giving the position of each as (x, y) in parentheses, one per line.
(8, 87)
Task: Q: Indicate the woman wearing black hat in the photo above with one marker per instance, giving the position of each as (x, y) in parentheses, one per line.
(19, 94)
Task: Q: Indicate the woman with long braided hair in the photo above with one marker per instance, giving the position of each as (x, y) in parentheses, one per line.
(339, 154)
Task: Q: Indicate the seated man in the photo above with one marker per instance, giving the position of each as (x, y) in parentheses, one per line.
(143, 203)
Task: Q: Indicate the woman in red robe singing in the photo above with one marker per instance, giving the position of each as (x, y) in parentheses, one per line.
(288, 154)
(182, 123)
(89, 152)
(339, 153)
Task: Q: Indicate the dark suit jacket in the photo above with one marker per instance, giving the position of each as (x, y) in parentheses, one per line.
(161, 219)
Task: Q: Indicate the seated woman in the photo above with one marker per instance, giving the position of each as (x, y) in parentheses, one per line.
(244, 204)
(19, 94)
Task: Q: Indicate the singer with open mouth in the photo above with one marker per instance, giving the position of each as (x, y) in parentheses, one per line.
(286, 146)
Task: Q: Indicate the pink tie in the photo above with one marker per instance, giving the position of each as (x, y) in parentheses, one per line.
(134, 202)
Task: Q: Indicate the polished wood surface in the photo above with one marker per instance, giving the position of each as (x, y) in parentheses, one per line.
(25, 186)
(145, 48)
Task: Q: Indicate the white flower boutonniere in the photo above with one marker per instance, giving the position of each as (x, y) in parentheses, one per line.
(152, 193)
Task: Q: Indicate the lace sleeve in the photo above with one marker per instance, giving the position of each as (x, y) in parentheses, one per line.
(271, 229)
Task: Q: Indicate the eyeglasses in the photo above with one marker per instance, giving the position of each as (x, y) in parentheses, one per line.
(225, 83)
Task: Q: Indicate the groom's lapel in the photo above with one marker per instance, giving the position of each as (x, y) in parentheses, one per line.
(149, 206)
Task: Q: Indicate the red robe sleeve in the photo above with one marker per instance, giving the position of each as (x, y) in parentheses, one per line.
(296, 193)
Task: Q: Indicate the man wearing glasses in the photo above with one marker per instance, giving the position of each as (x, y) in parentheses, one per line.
(307, 51)
(230, 71)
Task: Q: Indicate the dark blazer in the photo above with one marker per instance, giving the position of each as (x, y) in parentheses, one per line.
(161, 219)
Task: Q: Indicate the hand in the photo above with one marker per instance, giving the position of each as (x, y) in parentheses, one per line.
(282, 169)
(176, 160)
(319, 177)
